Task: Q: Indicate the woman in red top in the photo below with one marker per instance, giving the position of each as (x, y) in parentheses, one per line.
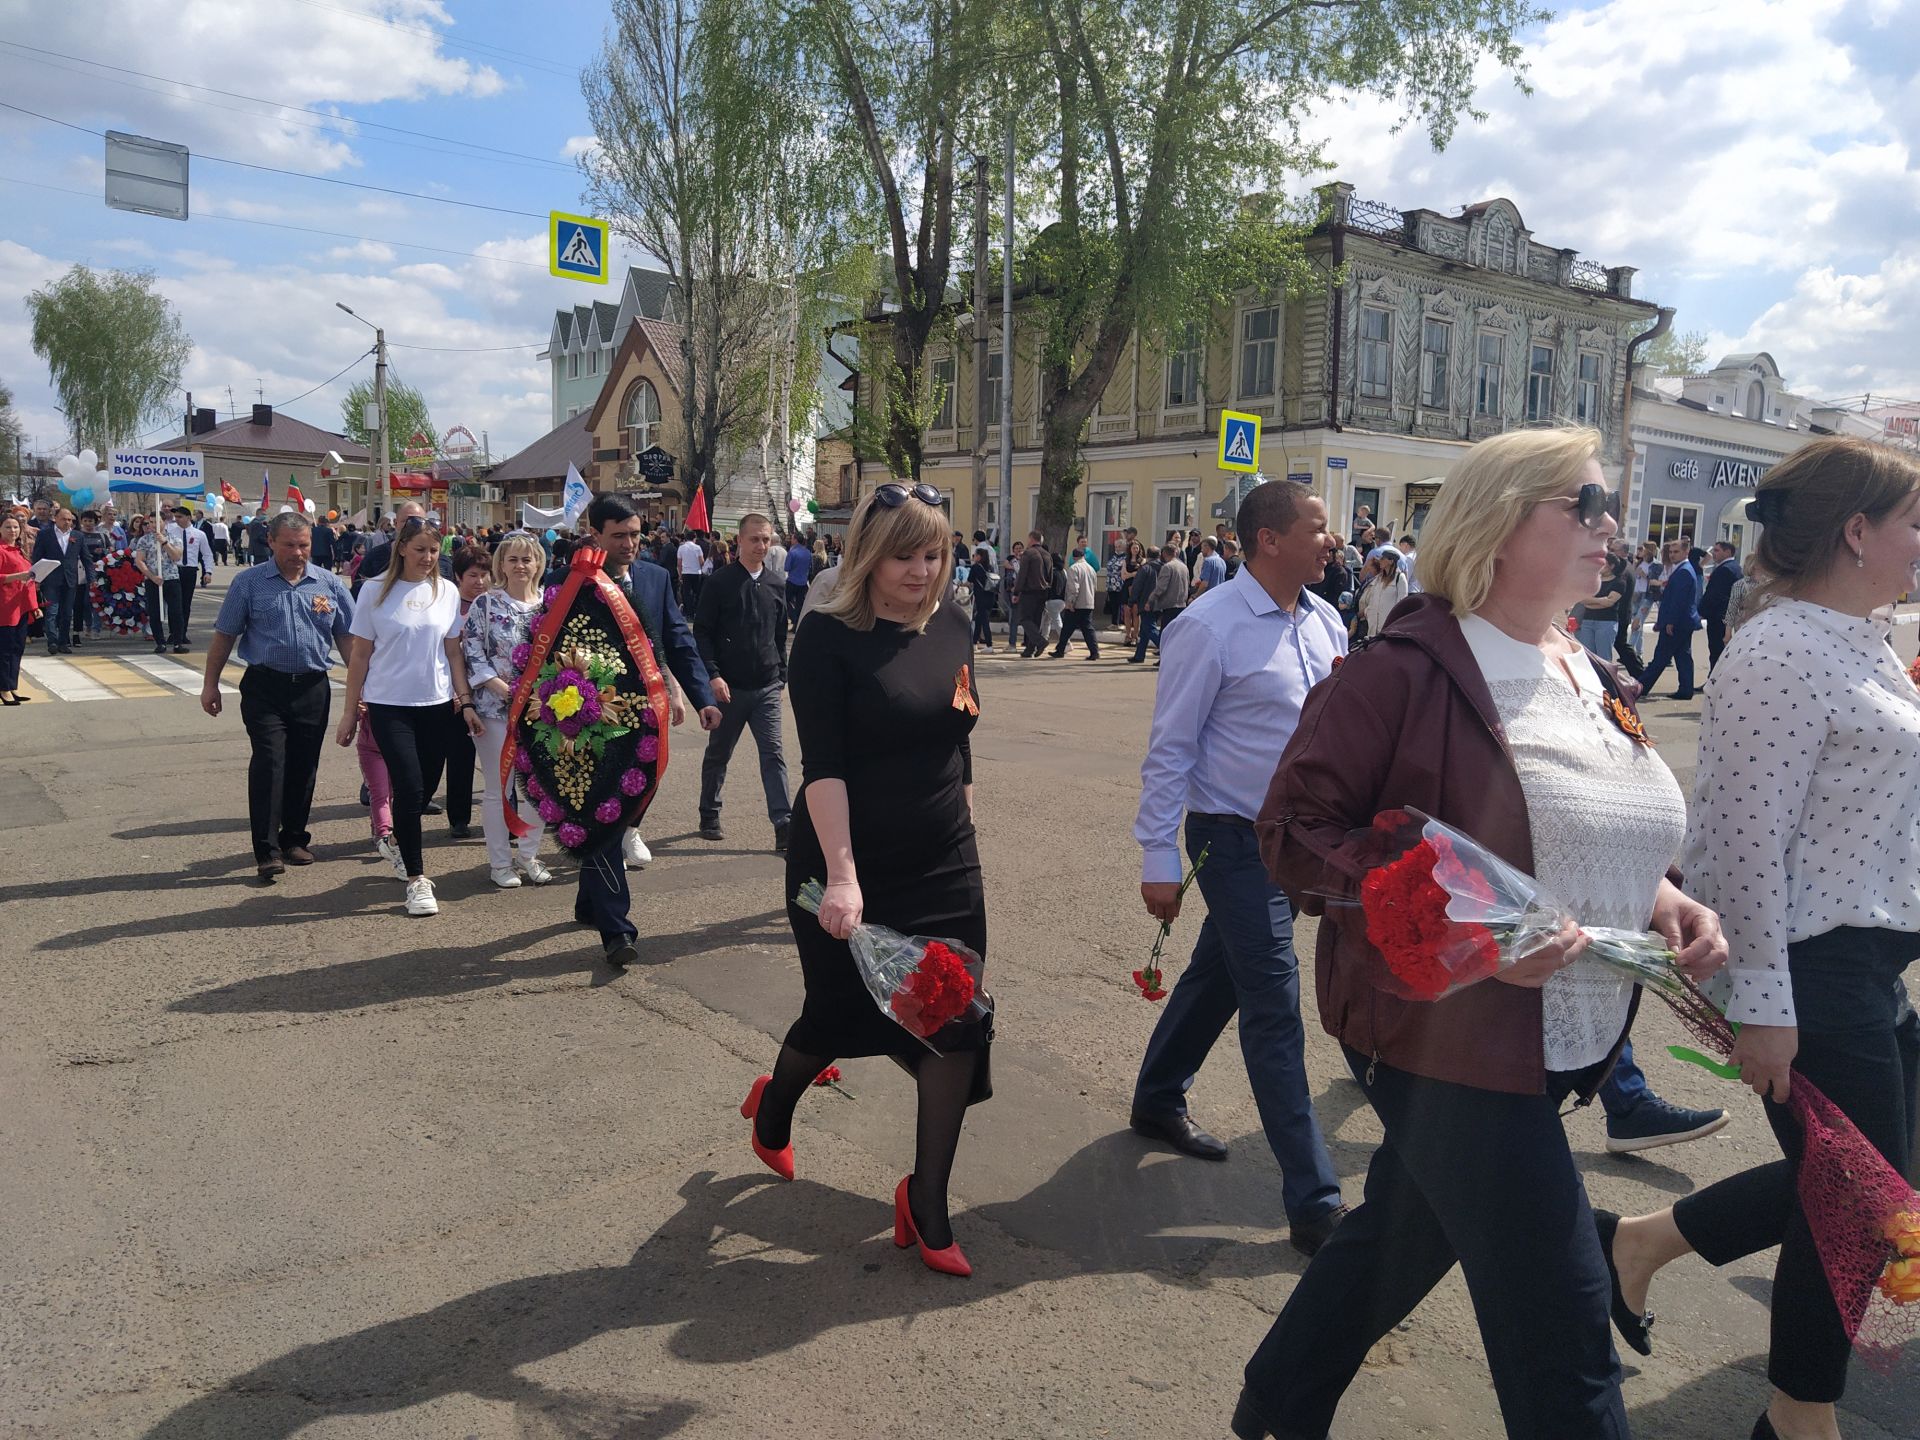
(19, 603)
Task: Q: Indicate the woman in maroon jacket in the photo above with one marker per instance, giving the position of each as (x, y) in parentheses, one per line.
(1473, 705)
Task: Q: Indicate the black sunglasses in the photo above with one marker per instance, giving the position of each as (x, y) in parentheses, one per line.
(893, 495)
(1594, 502)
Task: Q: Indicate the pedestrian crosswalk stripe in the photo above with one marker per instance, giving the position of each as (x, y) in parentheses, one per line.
(117, 677)
(64, 681)
(179, 676)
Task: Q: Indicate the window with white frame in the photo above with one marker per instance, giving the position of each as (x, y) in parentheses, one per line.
(996, 376)
(1436, 350)
(1174, 507)
(1586, 390)
(1259, 350)
(593, 361)
(642, 418)
(1540, 384)
(1376, 353)
(1489, 370)
(943, 390)
(1667, 522)
(1107, 516)
(1183, 370)
(573, 366)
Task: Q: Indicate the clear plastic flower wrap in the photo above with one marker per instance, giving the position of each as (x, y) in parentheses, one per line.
(922, 984)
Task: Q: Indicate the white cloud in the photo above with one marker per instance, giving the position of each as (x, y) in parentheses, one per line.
(295, 54)
(1849, 333)
(578, 145)
(374, 251)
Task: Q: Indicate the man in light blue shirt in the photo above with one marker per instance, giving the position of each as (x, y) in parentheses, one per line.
(1213, 567)
(1235, 668)
(287, 618)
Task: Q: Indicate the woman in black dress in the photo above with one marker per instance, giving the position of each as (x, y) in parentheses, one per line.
(884, 697)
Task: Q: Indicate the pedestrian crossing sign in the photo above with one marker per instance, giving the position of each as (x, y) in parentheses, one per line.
(577, 247)
(1239, 441)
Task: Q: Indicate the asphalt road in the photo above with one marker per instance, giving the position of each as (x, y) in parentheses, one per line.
(282, 1161)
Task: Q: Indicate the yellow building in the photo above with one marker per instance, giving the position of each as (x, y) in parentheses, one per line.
(1443, 330)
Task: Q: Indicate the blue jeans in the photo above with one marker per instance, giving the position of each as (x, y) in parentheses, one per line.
(57, 600)
(1151, 624)
(1597, 636)
(1641, 609)
(1679, 649)
(1244, 961)
(1626, 1087)
(758, 710)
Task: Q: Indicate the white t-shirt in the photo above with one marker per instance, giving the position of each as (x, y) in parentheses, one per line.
(409, 664)
(691, 558)
(220, 531)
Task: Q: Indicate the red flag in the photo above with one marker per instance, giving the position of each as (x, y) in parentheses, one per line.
(697, 512)
(228, 493)
(294, 497)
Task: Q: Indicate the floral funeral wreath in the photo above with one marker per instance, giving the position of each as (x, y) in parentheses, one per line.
(587, 728)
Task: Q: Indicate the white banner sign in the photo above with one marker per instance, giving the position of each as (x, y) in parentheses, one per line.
(168, 467)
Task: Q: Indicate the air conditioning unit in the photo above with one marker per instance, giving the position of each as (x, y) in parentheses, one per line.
(491, 494)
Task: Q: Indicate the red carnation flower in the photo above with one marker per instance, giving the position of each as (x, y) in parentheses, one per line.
(1407, 923)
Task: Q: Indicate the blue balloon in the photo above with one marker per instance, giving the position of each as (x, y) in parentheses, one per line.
(552, 535)
(83, 497)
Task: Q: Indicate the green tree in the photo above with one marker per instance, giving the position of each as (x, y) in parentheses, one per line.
(10, 435)
(712, 158)
(114, 350)
(1677, 355)
(406, 417)
(1172, 127)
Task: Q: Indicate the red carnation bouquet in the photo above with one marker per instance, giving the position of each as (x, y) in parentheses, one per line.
(1444, 912)
(922, 984)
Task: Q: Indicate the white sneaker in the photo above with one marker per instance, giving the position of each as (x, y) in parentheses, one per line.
(634, 851)
(531, 867)
(389, 849)
(420, 899)
(503, 876)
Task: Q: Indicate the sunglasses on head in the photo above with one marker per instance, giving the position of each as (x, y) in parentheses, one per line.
(893, 495)
(1594, 502)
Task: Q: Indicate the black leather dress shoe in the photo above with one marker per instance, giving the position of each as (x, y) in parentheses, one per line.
(1180, 1132)
(1309, 1235)
(620, 953)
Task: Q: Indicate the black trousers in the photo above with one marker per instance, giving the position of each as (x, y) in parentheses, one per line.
(1716, 642)
(1860, 1044)
(189, 582)
(603, 900)
(1473, 1177)
(220, 552)
(1033, 609)
(168, 625)
(1628, 657)
(458, 762)
(13, 644)
(286, 720)
(1077, 622)
(414, 741)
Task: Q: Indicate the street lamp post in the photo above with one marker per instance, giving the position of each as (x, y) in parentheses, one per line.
(379, 456)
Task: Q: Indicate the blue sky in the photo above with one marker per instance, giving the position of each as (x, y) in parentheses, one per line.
(1755, 158)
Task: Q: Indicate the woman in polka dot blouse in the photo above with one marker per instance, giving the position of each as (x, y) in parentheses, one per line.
(1805, 837)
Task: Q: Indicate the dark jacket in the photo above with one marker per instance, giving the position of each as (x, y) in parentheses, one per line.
(74, 569)
(1035, 575)
(1407, 720)
(1680, 601)
(1713, 604)
(741, 626)
(649, 589)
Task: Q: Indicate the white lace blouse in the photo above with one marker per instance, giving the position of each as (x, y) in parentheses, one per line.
(1607, 819)
(1803, 804)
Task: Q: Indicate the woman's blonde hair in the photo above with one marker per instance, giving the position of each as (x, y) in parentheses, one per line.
(877, 532)
(1483, 501)
(513, 544)
(403, 537)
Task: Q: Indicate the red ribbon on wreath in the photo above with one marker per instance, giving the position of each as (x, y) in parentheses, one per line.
(584, 570)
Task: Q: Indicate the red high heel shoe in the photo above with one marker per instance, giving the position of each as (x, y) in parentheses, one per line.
(779, 1161)
(950, 1261)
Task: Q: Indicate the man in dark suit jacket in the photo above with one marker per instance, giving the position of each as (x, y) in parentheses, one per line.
(62, 592)
(1713, 603)
(380, 553)
(1679, 617)
(604, 901)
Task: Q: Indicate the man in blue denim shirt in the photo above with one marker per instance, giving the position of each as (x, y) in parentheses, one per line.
(287, 617)
(1235, 668)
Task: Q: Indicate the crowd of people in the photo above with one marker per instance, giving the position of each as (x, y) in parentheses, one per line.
(1486, 674)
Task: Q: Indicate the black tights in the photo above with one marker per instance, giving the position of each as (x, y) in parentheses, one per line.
(945, 1083)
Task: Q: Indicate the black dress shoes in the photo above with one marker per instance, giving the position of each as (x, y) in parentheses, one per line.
(621, 953)
(1309, 1235)
(1248, 1423)
(1181, 1133)
(1636, 1330)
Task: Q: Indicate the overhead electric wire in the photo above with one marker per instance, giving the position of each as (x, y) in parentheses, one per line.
(465, 349)
(298, 174)
(297, 229)
(513, 155)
